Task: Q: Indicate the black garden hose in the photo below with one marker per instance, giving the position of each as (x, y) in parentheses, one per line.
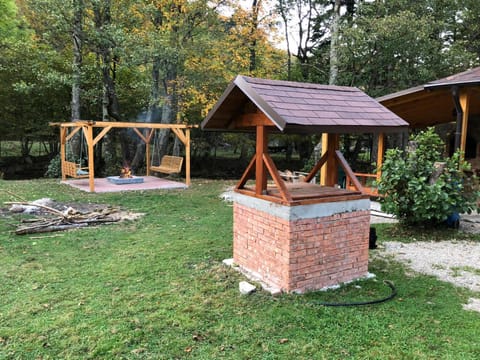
(368, 302)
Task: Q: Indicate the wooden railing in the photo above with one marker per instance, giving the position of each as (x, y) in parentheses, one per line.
(364, 178)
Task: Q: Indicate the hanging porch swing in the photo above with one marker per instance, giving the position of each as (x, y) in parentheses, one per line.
(168, 164)
(71, 168)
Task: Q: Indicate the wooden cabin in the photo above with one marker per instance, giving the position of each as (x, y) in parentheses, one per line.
(452, 104)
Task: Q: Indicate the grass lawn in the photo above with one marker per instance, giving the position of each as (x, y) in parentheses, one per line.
(155, 288)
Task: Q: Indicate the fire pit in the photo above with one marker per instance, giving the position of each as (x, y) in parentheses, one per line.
(125, 177)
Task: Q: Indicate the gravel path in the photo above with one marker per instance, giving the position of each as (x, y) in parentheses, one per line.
(457, 262)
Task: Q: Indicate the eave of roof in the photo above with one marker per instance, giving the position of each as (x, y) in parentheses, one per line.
(432, 103)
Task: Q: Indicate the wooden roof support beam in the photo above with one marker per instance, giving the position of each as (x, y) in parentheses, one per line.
(72, 133)
(465, 104)
(101, 135)
(316, 168)
(247, 174)
(260, 169)
(250, 120)
(284, 193)
(329, 176)
(348, 170)
(380, 152)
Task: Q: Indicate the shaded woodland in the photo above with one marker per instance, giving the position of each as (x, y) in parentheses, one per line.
(168, 61)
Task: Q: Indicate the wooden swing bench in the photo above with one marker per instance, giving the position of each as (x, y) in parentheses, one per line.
(74, 170)
(169, 165)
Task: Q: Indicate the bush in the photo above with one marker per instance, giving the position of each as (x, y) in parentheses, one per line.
(420, 186)
(54, 169)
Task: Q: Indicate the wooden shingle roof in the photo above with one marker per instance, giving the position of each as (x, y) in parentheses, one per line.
(294, 107)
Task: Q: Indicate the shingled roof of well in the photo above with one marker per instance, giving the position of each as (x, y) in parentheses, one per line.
(295, 107)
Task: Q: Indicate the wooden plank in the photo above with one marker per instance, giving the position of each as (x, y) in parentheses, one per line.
(260, 169)
(274, 196)
(140, 135)
(323, 172)
(331, 175)
(380, 152)
(101, 135)
(72, 133)
(465, 104)
(316, 168)
(276, 178)
(246, 174)
(348, 171)
(187, 157)
(181, 136)
(63, 144)
(250, 120)
(91, 166)
(117, 124)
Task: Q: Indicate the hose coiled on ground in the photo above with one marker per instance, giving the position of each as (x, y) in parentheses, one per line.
(368, 302)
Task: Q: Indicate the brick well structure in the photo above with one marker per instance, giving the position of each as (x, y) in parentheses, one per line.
(301, 248)
(303, 236)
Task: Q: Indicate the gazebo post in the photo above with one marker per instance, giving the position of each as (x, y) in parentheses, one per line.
(329, 173)
(63, 151)
(465, 104)
(260, 170)
(187, 157)
(91, 165)
(380, 151)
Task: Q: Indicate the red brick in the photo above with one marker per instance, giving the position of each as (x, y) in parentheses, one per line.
(301, 255)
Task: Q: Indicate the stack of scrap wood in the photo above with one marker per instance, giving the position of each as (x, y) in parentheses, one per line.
(49, 219)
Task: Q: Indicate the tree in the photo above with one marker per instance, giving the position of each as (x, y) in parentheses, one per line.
(77, 41)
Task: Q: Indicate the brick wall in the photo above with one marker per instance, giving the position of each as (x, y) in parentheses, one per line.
(304, 254)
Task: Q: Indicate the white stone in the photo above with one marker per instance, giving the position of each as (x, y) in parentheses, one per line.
(228, 262)
(246, 288)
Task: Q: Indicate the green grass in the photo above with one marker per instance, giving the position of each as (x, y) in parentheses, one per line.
(156, 289)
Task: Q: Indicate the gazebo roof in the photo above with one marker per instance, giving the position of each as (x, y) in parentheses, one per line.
(294, 107)
(432, 103)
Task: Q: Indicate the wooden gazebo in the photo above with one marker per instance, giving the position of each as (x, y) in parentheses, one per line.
(454, 99)
(69, 129)
(270, 106)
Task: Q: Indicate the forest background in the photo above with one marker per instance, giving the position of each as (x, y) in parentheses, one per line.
(169, 61)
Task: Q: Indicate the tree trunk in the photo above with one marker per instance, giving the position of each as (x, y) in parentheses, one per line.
(253, 35)
(284, 16)
(334, 44)
(77, 36)
(110, 105)
(152, 113)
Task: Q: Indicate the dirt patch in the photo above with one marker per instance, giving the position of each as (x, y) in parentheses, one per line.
(457, 262)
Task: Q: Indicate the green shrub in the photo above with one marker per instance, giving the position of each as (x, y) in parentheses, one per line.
(420, 186)
(54, 169)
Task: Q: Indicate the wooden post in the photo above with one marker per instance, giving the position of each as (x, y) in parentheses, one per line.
(331, 176)
(465, 103)
(260, 171)
(88, 130)
(323, 169)
(147, 150)
(380, 151)
(187, 157)
(63, 150)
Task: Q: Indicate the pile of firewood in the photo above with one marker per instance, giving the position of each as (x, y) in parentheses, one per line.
(52, 219)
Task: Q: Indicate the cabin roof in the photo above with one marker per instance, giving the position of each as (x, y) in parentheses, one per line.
(295, 107)
(432, 103)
